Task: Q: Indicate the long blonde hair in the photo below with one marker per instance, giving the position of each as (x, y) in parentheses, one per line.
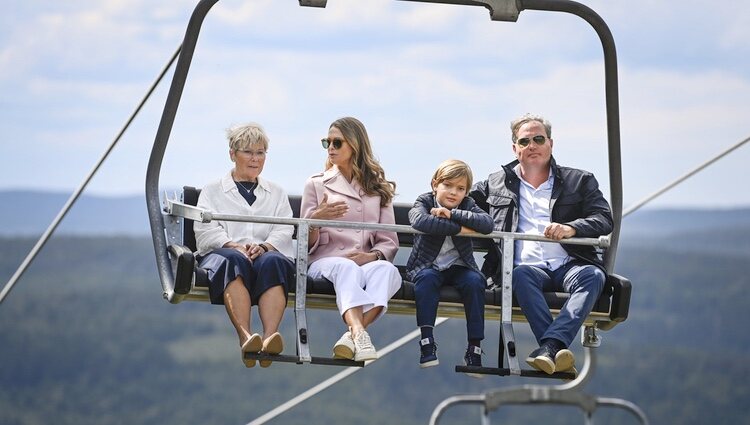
(365, 168)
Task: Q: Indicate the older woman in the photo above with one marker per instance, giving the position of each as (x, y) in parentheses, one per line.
(248, 263)
(358, 262)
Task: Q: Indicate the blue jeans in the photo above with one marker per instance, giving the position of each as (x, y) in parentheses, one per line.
(584, 283)
(469, 283)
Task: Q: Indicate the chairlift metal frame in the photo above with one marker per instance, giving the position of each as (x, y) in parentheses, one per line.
(500, 10)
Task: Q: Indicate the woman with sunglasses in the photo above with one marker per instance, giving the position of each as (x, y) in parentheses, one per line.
(248, 263)
(358, 262)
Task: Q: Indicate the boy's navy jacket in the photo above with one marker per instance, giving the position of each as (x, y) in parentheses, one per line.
(427, 247)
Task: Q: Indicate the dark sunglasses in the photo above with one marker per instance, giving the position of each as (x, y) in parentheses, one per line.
(539, 140)
(335, 142)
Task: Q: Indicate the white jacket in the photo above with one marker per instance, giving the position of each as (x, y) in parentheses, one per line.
(222, 196)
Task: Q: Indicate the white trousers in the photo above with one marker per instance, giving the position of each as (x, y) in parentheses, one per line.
(370, 285)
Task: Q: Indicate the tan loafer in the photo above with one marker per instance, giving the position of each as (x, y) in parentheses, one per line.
(252, 345)
(274, 345)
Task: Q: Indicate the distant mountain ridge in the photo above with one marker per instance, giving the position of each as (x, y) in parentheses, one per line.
(27, 213)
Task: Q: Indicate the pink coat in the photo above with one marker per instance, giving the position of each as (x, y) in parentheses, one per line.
(334, 242)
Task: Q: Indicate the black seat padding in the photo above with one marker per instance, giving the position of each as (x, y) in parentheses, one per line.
(617, 289)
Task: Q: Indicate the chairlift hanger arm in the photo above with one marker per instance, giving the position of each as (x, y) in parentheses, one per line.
(500, 10)
(156, 220)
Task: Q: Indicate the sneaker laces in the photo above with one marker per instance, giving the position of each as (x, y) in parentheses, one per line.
(363, 341)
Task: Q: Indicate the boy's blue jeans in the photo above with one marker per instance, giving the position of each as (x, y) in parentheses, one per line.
(584, 283)
(469, 283)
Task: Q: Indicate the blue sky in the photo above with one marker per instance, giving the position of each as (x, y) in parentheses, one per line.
(429, 81)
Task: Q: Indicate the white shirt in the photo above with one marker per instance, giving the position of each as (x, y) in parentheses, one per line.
(533, 218)
(222, 196)
(448, 254)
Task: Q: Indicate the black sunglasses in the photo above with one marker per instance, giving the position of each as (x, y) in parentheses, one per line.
(335, 142)
(539, 140)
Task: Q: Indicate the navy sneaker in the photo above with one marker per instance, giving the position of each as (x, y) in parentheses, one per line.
(473, 357)
(429, 357)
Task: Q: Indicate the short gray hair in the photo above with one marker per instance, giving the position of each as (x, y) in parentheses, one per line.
(518, 122)
(243, 136)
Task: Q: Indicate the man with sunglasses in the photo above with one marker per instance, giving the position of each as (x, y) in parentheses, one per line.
(534, 195)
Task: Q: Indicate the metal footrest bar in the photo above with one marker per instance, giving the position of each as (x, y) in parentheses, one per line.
(530, 373)
(328, 361)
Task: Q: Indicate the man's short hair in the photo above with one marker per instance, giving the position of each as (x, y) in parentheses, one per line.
(518, 122)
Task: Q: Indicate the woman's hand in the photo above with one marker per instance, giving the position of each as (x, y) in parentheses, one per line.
(362, 257)
(329, 211)
(251, 251)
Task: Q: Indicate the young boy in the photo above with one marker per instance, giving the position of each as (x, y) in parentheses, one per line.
(438, 258)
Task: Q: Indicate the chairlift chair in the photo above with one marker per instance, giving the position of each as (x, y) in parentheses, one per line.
(171, 225)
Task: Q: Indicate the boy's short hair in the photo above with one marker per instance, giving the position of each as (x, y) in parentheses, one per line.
(452, 169)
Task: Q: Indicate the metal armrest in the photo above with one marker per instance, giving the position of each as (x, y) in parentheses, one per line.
(621, 290)
(184, 262)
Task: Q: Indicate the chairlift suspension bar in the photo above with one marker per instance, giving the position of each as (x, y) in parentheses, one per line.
(74, 197)
(507, 336)
(156, 220)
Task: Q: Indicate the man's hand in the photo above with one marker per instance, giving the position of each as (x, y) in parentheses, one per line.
(559, 231)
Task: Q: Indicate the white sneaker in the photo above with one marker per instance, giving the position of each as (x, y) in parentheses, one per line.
(363, 348)
(344, 347)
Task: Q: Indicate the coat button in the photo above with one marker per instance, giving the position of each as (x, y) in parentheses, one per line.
(357, 230)
(356, 246)
(359, 208)
(340, 230)
(341, 246)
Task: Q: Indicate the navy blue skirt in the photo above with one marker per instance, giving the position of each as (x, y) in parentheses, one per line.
(226, 264)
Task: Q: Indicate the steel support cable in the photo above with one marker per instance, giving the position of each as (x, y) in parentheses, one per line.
(337, 377)
(684, 177)
(74, 197)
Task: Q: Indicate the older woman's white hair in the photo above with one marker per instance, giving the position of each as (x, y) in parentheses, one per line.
(244, 136)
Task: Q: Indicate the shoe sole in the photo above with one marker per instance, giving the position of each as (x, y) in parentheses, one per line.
(363, 357)
(564, 360)
(544, 364)
(273, 345)
(253, 345)
(429, 363)
(342, 352)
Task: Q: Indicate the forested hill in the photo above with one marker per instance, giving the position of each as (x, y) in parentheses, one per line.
(26, 213)
(85, 338)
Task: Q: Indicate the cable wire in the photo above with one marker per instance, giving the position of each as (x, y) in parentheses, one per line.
(74, 197)
(684, 177)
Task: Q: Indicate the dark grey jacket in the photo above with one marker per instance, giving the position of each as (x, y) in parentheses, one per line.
(576, 201)
(427, 247)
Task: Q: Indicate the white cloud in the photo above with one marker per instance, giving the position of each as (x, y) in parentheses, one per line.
(429, 81)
